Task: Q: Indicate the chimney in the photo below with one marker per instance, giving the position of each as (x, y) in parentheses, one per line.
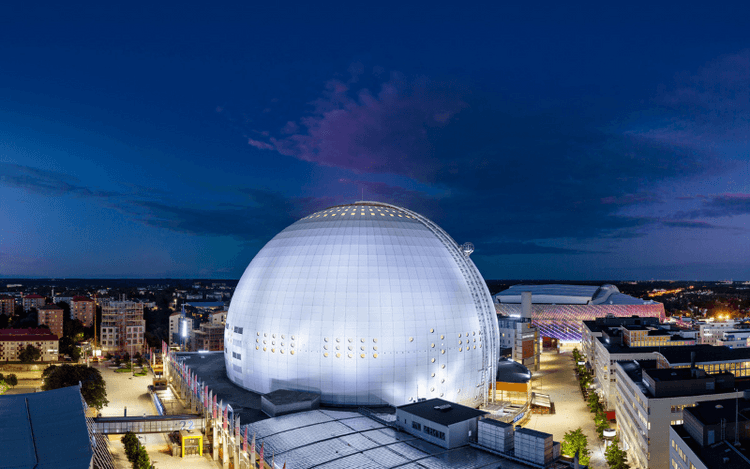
(526, 305)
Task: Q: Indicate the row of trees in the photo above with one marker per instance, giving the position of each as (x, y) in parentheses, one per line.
(135, 452)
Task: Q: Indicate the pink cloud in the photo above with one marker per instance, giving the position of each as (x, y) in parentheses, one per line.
(260, 145)
(386, 132)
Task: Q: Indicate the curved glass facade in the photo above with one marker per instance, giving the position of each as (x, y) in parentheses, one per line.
(366, 304)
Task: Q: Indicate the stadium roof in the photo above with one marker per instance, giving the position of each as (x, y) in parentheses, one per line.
(337, 439)
(569, 295)
(46, 430)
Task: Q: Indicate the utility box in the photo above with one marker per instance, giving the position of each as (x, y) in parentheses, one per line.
(533, 446)
(495, 435)
(191, 443)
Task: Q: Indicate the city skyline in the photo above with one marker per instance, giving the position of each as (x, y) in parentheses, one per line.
(575, 143)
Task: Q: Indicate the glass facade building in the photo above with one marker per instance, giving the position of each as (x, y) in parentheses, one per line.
(365, 304)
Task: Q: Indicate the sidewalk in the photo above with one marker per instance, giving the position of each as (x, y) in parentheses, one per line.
(558, 379)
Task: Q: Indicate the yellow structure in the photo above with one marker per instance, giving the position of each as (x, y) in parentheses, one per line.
(191, 443)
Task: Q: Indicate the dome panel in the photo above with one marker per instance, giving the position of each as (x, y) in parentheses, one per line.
(363, 304)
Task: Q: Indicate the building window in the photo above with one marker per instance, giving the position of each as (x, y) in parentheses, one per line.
(416, 425)
(433, 432)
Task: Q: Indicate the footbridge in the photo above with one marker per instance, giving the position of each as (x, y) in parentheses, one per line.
(148, 424)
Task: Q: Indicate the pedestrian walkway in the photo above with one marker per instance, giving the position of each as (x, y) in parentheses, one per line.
(558, 379)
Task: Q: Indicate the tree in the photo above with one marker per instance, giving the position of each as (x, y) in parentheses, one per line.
(601, 422)
(593, 403)
(131, 443)
(573, 441)
(616, 457)
(11, 380)
(142, 460)
(93, 388)
(30, 354)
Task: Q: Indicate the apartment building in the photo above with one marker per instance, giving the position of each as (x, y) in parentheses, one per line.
(123, 327)
(12, 341)
(52, 316)
(649, 399)
(714, 434)
(209, 337)
(32, 301)
(7, 305)
(83, 309)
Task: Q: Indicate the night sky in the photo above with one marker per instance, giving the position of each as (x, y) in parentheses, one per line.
(565, 142)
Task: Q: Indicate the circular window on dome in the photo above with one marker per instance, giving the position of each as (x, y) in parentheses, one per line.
(375, 340)
(362, 355)
(282, 336)
(432, 331)
(338, 355)
(432, 360)
(442, 337)
(325, 354)
(374, 355)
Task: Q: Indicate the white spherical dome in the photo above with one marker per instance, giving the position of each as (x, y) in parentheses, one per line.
(365, 304)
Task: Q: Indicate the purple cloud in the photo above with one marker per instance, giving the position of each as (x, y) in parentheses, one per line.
(387, 132)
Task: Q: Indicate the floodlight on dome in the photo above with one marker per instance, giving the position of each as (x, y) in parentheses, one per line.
(467, 248)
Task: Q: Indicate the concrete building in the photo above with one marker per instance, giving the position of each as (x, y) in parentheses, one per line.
(557, 310)
(440, 422)
(52, 316)
(520, 336)
(219, 317)
(12, 341)
(736, 338)
(7, 305)
(714, 434)
(123, 327)
(32, 301)
(641, 336)
(592, 330)
(710, 332)
(83, 309)
(650, 399)
(209, 337)
(711, 359)
(174, 328)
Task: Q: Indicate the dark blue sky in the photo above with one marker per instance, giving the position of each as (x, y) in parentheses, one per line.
(565, 142)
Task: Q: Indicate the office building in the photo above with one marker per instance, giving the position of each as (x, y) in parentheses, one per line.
(714, 434)
(650, 399)
(591, 330)
(519, 335)
(209, 337)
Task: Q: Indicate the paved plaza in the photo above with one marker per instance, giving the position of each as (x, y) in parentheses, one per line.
(558, 379)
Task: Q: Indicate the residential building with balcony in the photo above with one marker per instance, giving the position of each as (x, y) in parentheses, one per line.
(123, 327)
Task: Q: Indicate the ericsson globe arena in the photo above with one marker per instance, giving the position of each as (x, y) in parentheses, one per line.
(364, 304)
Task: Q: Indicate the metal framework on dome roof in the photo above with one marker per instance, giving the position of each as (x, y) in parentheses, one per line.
(479, 293)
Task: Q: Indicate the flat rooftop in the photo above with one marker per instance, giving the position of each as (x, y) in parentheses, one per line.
(713, 456)
(211, 370)
(343, 439)
(442, 412)
(704, 354)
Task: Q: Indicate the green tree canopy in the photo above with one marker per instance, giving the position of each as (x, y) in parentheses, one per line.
(11, 380)
(616, 457)
(93, 388)
(573, 441)
(30, 354)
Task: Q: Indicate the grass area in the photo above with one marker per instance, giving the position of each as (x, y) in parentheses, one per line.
(123, 370)
(142, 373)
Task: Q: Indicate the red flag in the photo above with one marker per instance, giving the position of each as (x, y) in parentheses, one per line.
(226, 416)
(244, 441)
(261, 453)
(214, 407)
